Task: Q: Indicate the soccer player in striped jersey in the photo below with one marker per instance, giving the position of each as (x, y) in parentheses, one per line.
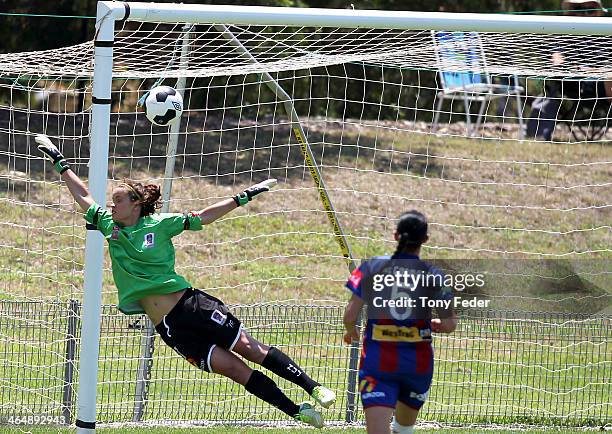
(196, 325)
(396, 366)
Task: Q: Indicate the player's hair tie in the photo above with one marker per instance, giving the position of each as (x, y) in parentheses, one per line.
(129, 187)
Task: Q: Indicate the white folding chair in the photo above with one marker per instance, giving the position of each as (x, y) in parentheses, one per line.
(462, 68)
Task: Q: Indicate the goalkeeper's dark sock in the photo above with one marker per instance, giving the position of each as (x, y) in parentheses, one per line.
(265, 388)
(279, 363)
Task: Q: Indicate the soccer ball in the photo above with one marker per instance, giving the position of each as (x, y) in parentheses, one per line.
(163, 106)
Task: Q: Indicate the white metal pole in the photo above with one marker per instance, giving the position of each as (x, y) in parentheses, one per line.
(148, 346)
(94, 243)
(296, 125)
(176, 127)
(541, 24)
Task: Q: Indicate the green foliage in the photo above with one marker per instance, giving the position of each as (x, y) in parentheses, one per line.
(31, 33)
(472, 6)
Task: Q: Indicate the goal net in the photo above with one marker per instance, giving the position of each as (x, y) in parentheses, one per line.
(358, 124)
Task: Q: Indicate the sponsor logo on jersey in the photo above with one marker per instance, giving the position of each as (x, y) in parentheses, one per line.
(355, 278)
(373, 395)
(393, 333)
(149, 241)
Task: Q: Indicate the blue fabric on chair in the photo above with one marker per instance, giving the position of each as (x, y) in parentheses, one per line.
(463, 71)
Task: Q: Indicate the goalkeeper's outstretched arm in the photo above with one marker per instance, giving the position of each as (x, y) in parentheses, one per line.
(219, 209)
(83, 197)
(77, 188)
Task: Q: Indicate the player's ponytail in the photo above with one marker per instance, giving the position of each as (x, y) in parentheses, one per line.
(151, 201)
(401, 243)
(148, 196)
(412, 231)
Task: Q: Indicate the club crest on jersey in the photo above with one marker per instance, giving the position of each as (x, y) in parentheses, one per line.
(115, 233)
(149, 241)
(218, 317)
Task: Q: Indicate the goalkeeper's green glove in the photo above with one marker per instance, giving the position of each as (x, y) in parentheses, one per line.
(46, 146)
(248, 194)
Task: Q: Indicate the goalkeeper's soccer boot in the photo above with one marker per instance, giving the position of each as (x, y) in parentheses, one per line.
(309, 415)
(324, 396)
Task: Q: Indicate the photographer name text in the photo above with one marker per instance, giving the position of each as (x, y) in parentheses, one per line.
(425, 302)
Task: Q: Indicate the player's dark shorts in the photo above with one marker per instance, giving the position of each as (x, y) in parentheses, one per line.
(196, 325)
(383, 389)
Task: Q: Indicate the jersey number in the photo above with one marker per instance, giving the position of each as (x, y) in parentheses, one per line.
(397, 294)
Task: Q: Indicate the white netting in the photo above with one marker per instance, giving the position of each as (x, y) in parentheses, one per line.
(366, 100)
(143, 50)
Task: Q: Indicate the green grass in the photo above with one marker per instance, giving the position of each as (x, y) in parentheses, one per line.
(281, 247)
(251, 430)
(487, 373)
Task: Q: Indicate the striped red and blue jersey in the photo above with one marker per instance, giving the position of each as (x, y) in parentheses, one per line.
(392, 345)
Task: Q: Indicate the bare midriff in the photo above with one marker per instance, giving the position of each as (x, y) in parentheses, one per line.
(157, 306)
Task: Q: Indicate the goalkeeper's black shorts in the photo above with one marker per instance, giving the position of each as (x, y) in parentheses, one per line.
(196, 325)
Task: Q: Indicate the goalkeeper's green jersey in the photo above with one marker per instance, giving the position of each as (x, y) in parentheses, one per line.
(142, 255)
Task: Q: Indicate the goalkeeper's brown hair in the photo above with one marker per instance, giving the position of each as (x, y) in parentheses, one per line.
(147, 195)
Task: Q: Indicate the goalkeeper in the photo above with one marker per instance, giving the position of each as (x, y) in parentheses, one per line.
(196, 325)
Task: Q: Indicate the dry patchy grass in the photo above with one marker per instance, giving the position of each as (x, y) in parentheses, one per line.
(485, 199)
